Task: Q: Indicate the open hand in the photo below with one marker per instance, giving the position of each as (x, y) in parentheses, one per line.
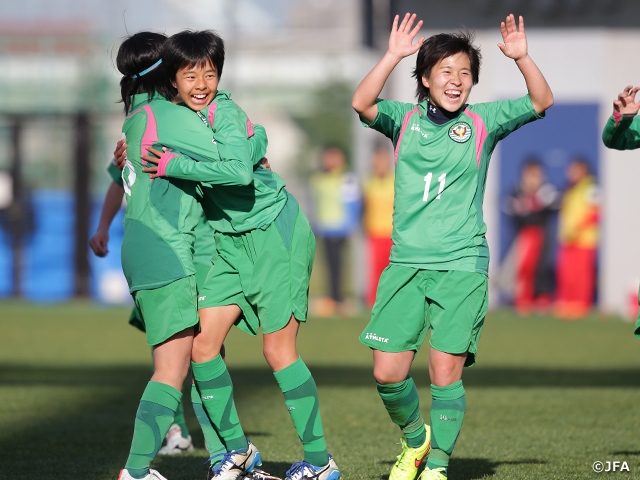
(151, 159)
(626, 102)
(401, 38)
(513, 37)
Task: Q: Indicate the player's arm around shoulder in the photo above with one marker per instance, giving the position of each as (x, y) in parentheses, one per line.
(515, 46)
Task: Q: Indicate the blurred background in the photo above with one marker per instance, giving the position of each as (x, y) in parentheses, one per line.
(293, 65)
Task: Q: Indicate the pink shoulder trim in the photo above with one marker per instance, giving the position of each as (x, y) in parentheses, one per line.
(481, 133)
(405, 122)
(212, 114)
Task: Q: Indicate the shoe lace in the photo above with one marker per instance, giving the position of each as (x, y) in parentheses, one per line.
(404, 462)
(297, 470)
(435, 474)
(227, 457)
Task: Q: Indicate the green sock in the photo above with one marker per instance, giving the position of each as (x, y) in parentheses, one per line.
(211, 438)
(301, 398)
(216, 391)
(180, 420)
(447, 412)
(153, 419)
(403, 404)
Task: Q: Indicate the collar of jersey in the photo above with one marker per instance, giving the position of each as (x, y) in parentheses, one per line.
(424, 106)
(141, 98)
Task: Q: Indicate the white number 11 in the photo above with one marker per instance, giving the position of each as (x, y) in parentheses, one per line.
(427, 184)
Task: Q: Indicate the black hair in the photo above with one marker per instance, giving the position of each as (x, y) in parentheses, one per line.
(444, 45)
(532, 162)
(191, 48)
(136, 54)
(582, 161)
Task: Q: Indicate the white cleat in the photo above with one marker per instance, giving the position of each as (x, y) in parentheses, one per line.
(153, 475)
(235, 464)
(306, 471)
(175, 442)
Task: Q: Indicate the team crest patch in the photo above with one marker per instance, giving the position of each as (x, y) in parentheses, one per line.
(460, 132)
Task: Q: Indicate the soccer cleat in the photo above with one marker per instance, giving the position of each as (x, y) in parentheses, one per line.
(435, 474)
(175, 442)
(260, 475)
(234, 464)
(306, 471)
(153, 475)
(406, 467)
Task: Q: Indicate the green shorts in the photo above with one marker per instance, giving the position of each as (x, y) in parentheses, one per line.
(169, 309)
(410, 301)
(135, 318)
(204, 246)
(264, 271)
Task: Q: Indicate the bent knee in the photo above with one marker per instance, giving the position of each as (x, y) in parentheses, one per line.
(385, 376)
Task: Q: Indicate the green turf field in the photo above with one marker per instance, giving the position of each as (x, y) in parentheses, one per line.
(546, 400)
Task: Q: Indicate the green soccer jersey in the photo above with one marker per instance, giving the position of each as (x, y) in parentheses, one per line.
(162, 214)
(258, 195)
(622, 132)
(440, 178)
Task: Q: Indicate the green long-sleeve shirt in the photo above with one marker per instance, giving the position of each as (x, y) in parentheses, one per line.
(162, 214)
(258, 196)
(622, 132)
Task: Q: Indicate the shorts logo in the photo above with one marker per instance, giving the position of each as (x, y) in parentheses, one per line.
(206, 397)
(460, 132)
(201, 298)
(374, 337)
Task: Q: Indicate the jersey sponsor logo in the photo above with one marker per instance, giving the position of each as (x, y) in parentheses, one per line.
(416, 128)
(206, 397)
(376, 338)
(460, 132)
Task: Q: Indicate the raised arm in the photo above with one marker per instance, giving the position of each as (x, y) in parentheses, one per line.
(400, 45)
(622, 130)
(515, 46)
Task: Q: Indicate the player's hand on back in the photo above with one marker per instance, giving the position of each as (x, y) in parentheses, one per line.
(626, 102)
(513, 37)
(120, 154)
(151, 161)
(402, 36)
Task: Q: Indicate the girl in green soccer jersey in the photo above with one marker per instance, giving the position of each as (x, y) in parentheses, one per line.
(437, 277)
(261, 270)
(178, 440)
(161, 225)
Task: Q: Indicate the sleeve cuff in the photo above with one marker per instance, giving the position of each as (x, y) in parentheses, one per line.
(164, 161)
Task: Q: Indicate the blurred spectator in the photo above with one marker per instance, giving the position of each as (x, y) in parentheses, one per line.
(578, 238)
(336, 214)
(531, 206)
(378, 221)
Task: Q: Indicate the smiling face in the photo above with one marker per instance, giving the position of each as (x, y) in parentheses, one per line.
(450, 82)
(197, 85)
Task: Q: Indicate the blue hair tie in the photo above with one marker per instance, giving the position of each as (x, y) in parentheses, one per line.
(144, 72)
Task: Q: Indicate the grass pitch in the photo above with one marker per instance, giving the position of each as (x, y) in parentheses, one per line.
(546, 400)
